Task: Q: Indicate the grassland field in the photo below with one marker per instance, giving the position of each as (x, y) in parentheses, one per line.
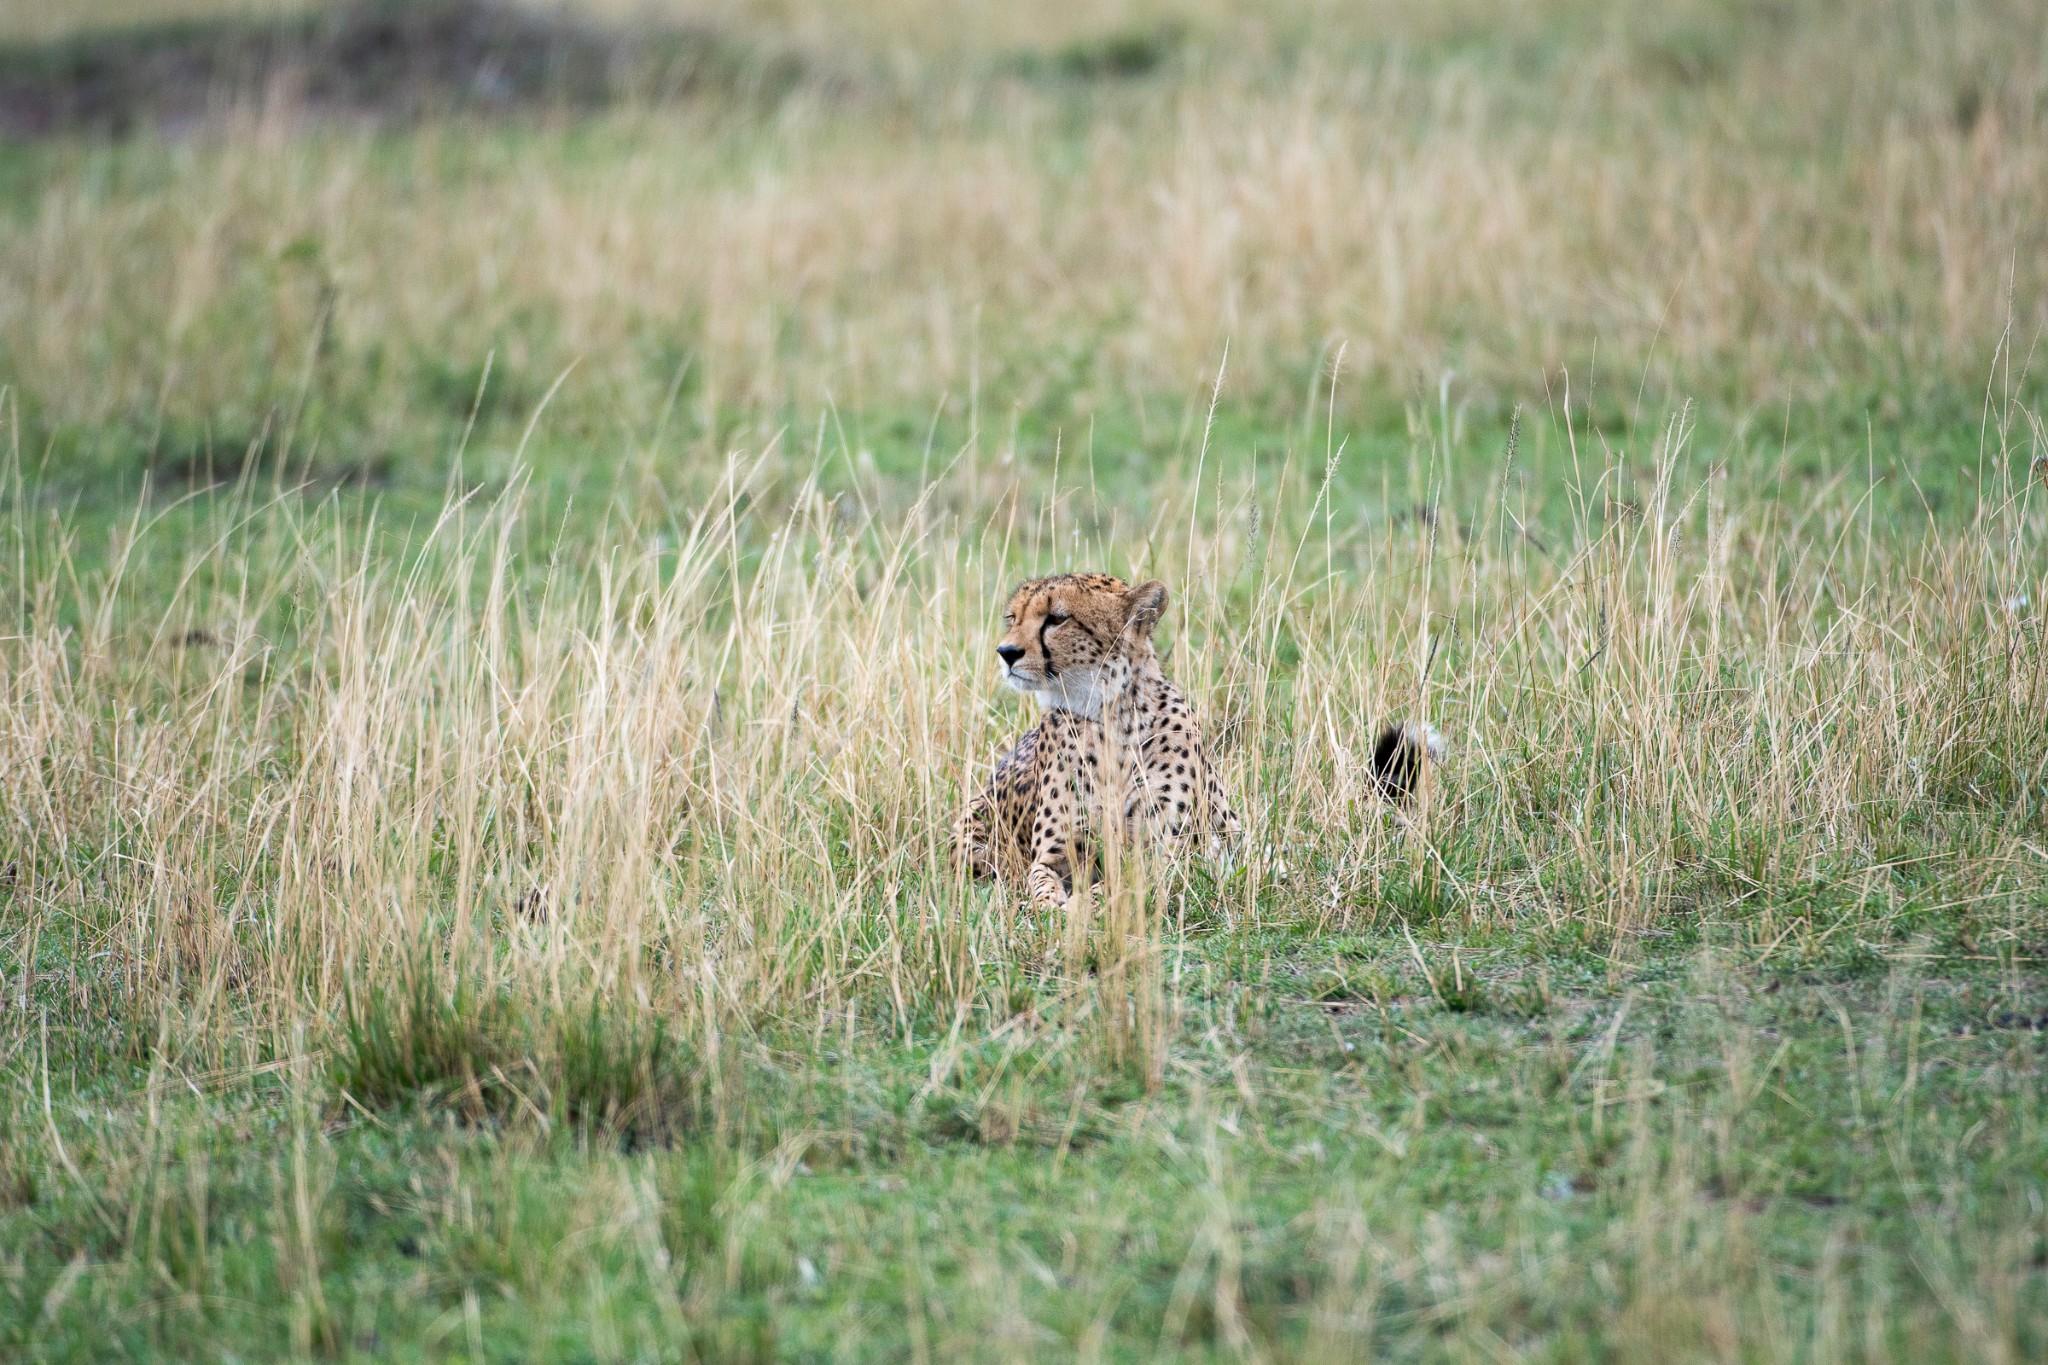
(500, 554)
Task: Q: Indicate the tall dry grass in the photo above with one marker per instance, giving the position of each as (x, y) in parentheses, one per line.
(1847, 203)
(575, 821)
(22, 21)
(567, 829)
(700, 766)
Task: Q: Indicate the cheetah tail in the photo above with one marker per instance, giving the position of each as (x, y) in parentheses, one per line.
(1399, 755)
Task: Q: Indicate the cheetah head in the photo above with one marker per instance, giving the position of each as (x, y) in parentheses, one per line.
(1073, 641)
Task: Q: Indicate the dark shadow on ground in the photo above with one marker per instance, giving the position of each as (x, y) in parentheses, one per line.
(386, 59)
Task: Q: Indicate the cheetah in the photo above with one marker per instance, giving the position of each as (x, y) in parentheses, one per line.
(1117, 748)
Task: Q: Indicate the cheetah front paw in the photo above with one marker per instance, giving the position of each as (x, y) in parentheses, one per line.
(1045, 887)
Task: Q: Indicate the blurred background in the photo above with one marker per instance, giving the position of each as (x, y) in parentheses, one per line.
(373, 226)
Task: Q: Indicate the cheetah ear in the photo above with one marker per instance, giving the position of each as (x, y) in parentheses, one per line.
(1143, 606)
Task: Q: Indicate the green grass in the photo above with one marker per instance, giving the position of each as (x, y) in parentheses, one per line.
(1425, 1109)
(1695, 1144)
(492, 633)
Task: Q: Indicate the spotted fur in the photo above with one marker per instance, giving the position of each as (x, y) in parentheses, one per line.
(1118, 749)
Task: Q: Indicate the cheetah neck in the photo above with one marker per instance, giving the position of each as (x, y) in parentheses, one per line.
(1102, 691)
(1084, 691)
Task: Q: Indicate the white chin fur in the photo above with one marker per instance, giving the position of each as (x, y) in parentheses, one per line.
(1077, 690)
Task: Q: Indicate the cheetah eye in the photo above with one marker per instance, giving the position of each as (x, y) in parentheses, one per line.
(1055, 618)
(1009, 618)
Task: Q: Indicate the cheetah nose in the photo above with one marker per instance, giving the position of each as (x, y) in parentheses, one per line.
(1009, 654)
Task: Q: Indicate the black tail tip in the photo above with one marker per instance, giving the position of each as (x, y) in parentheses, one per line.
(1399, 756)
